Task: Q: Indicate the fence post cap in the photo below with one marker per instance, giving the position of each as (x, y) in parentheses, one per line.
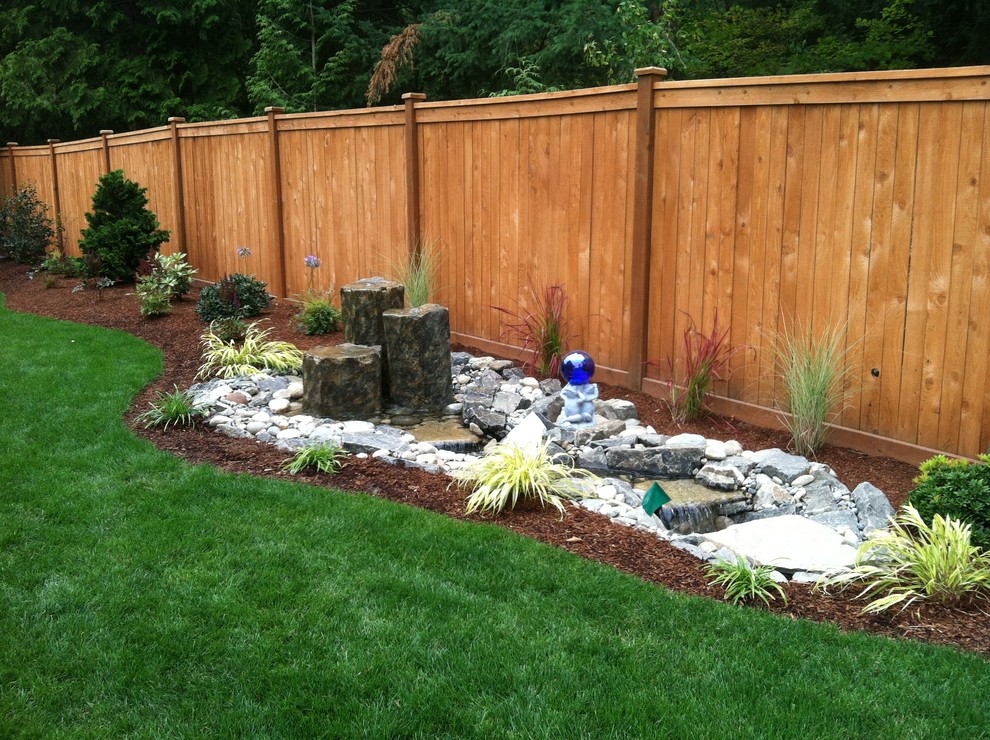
(106, 131)
(176, 119)
(659, 71)
(12, 143)
(274, 109)
(414, 96)
(54, 141)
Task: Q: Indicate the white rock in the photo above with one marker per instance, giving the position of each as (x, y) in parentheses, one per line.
(802, 480)
(606, 492)
(219, 419)
(427, 459)
(379, 453)
(281, 393)
(362, 456)
(278, 405)
(288, 434)
(463, 379)
(480, 363)
(448, 455)
(715, 450)
(262, 417)
(295, 390)
(358, 427)
(527, 434)
(255, 427)
(686, 440)
(733, 448)
(789, 542)
(307, 428)
(529, 382)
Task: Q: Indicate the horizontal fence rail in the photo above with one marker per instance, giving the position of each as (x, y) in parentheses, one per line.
(852, 202)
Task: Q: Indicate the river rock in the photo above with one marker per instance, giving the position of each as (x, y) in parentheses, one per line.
(875, 511)
(789, 543)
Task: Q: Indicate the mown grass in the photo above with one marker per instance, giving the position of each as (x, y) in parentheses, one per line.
(140, 595)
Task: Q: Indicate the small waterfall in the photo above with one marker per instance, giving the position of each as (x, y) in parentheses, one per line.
(691, 516)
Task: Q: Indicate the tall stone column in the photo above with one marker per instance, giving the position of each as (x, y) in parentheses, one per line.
(362, 304)
(418, 341)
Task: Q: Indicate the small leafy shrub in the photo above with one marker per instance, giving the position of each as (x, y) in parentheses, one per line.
(26, 231)
(253, 355)
(743, 582)
(122, 230)
(326, 457)
(60, 264)
(318, 315)
(814, 374)
(956, 488)
(50, 282)
(542, 330)
(510, 473)
(236, 296)
(419, 275)
(705, 359)
(156, 300)
(913, 561)
(230, 331)
(177, 409)
(173, 273)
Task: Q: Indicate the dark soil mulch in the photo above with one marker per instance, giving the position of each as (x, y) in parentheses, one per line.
(590, 535)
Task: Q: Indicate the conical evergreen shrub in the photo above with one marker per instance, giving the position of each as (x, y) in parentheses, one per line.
(122, 230)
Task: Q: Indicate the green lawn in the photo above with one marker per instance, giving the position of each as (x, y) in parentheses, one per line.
(140, 595)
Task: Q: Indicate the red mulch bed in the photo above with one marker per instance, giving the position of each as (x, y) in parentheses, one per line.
(587, 534)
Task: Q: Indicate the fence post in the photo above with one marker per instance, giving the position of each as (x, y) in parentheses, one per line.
(277, 208)
(180, 201)
(13, 163)
(642, 235)
(104, 133)
(59, 236)
(412, 173)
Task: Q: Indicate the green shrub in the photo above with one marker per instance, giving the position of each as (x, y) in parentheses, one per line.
(957, 488)
(318, 315)
(26, 232)
(254, 355)
(60, 264)
(121, 231)
(173, 273)
(326, 457)
(229, 331)
(176, 408)
(915, 562)
(743, 582)
(235, 296)
(510, 473)
(155, 297)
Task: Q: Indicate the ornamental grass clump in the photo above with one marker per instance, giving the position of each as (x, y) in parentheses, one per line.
(419, 275)
(255, 354)
(542, 330)
(705, 359)
(511, 473)
(743, 582)
(814, 372)
(177, 408)
(325, 457)
(914, 561)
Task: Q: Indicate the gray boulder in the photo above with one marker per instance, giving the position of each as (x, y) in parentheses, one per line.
(874, 509)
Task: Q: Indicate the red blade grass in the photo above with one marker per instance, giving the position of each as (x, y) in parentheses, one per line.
(541, 330)
(705, 358)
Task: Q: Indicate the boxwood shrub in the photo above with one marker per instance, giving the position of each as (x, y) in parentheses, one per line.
(956, 488)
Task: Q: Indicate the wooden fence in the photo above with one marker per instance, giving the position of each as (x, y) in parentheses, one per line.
(858, 201)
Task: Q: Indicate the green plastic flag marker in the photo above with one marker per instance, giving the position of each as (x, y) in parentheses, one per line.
(655, 498)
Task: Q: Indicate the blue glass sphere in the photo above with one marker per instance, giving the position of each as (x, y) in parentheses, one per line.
(577, 367)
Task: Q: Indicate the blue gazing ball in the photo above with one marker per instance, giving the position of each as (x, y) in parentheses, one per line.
(577, 367)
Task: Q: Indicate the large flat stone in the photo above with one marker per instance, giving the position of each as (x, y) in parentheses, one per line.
(790, 543)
